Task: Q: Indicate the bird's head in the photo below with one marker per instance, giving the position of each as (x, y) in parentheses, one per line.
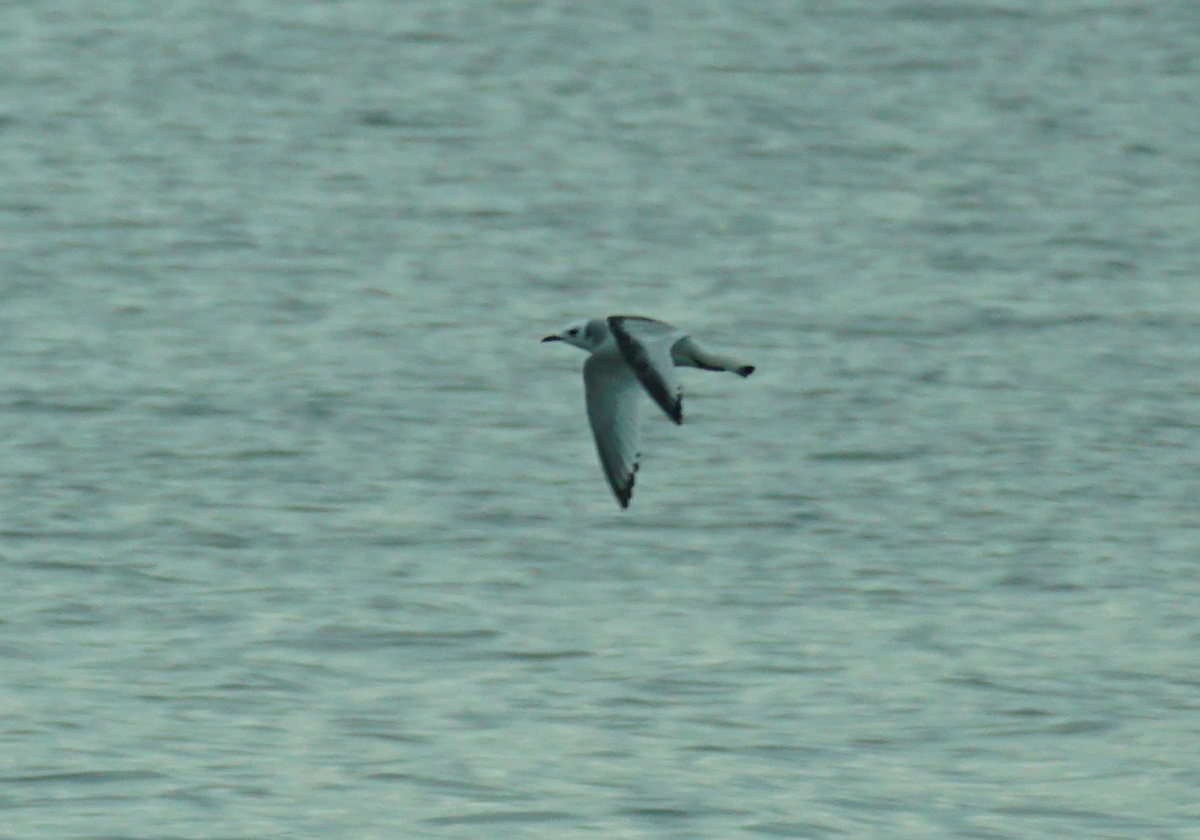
(584, 334)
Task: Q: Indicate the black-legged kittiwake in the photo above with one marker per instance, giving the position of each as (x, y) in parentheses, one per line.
(627, 350)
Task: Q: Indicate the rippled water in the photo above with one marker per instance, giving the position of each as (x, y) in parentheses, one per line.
(302, 534)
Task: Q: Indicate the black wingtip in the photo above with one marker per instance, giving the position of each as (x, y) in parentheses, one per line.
(624, 490)
(624, 494)
(745, 370)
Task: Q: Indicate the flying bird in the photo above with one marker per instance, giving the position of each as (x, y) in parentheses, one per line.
(629, 353)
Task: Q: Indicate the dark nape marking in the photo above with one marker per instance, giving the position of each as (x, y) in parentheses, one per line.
(636, 356)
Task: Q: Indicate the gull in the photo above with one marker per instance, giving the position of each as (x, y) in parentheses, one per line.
(628, 351)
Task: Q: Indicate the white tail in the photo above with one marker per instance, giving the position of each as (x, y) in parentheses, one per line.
(686, 354)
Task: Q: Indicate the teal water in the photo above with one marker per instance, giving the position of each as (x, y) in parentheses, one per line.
(301, 531)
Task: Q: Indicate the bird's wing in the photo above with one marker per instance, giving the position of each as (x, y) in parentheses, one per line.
(646, 345)
(612, 395)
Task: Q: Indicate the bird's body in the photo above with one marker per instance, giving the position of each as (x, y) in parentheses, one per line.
(629, 354)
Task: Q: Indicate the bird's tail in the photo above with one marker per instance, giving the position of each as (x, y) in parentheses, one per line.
(687, 354)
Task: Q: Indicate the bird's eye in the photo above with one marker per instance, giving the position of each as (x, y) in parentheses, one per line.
(572, 332)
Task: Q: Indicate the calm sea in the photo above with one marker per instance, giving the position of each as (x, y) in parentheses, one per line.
(302, 534)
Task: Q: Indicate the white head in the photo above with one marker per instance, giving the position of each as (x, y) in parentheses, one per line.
(584, 334)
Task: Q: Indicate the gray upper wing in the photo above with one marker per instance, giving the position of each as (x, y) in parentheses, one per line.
(646, 344)
(612, 396)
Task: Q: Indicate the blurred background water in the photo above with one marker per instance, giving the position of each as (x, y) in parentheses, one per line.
(302, 533)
